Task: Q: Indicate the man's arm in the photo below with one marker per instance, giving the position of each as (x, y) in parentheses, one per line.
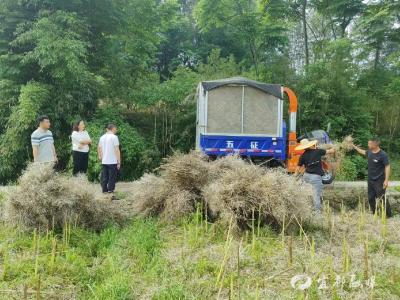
(300, 166)
(299, 170)
(359, 150)
(55, 154)
(35, 151)
(387, 175)
(99, 152)
(118, 155)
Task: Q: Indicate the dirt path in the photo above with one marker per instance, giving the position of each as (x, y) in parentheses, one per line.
(126, 186)
(348, 193)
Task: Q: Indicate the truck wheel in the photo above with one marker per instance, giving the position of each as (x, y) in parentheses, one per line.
(328, 177)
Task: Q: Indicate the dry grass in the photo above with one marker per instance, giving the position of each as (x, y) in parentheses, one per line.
(188, 172)
(179, 204)
(173, 194)
(49, 200)
(347, 143)
(147, 197)
(341, 149)
(229, 188)
(357, 248)
(250, 194)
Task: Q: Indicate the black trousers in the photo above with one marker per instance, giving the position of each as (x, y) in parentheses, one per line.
(108, 178)
(81, 161)
(376, 194)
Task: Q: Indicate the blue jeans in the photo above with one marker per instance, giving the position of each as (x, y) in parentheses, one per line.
(316, 182)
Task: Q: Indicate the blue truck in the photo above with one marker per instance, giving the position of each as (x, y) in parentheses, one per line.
(246, 117)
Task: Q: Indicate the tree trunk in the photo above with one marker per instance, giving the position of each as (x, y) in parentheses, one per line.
(377, 55)
(304, 21)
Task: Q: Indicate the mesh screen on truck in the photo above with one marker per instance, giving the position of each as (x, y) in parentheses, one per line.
(259, 110)
(224, 111)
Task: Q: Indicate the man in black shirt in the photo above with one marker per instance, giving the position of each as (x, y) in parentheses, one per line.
(378, 174)
(311, 160)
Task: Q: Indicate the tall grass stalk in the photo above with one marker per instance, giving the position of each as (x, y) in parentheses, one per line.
(37, 240)
(66, 233)
(331, 270)
(383, 218)
(227, 246)
(238, 269)
(257, 292)
(290, 251)
(345, 256)
(206, 216)
(25, 292)
(283, 232)
(331, 229)
(53, 253)
(253, 234)
(38, 288)
(197, 222)
(312, 248)
(231, 289)
(5, 263)
(366, 267)
(361, 219)
(259, 221)
(34, 239)
(376, 212)
(342, 211)
(302, 230)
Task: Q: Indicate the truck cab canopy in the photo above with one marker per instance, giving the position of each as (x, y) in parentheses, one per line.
(272, 89)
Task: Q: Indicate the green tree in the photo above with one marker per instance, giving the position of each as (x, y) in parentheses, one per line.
(15, 142)
(340, 13)
(257, 25)
(328, 94)
(82, 51)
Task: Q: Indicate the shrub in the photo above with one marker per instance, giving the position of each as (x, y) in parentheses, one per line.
(361, 166)
(347, 170)
(137, 156)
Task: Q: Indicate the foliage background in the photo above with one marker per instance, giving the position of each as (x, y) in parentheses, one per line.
(138, 62)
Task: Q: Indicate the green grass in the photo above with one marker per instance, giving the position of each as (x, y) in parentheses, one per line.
(191, 259)
(395, 166)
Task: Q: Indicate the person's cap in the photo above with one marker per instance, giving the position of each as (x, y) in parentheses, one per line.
(305, 144)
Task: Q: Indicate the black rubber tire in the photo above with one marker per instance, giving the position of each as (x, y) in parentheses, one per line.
(328, 177)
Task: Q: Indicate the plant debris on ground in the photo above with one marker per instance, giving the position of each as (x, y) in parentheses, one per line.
(192, 258)
(227, 189)
(48, 200)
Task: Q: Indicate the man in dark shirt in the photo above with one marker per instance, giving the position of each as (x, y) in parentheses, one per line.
(311, 161)
(378, 174)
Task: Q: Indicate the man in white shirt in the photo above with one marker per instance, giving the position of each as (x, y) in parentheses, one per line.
(110, 156)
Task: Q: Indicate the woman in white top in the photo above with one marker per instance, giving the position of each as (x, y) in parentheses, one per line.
(80, 147)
